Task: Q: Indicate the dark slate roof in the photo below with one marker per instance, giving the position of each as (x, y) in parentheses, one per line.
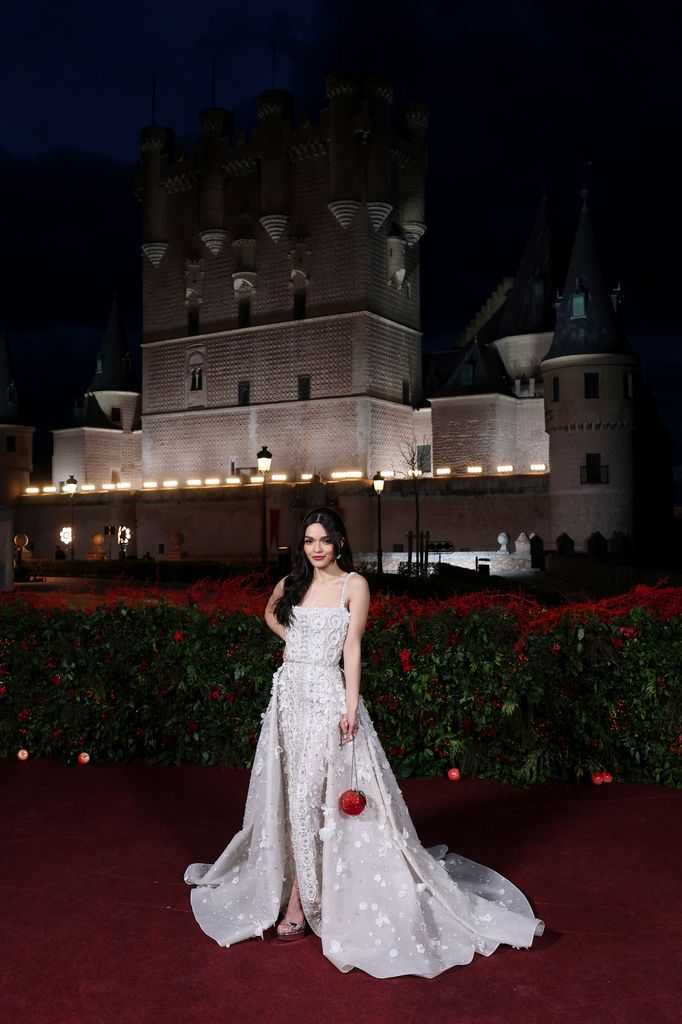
(530, 305)
(472, 370)
(114, 370)
(89, 413)
(599, 331)
(9, 408)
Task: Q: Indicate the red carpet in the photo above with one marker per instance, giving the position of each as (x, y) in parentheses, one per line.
(96, 925)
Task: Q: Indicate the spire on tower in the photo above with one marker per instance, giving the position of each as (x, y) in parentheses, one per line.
(114, 370)
(586, 321)
(530, 305)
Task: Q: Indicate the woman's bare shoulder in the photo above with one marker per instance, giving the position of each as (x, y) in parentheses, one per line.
(357, 585)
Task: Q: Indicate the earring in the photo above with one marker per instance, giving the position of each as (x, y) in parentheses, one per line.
(338, 556)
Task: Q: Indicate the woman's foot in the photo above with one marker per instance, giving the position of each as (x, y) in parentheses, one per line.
(288, 930)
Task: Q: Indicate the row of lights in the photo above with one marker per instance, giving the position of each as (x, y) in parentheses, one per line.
(345, 474)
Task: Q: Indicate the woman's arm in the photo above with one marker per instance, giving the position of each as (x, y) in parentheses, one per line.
(358, 606)
(269, 616)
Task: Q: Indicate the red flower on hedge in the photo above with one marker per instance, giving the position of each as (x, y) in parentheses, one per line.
(427, 649)
(616, 643)
(214, 693)
(192, 725)
(178, 636)
(3, 690)
(404, 656)
(23, 714)
(51, 663)
(230, 696)
(555, 648)
(453, 639)
(57, 681)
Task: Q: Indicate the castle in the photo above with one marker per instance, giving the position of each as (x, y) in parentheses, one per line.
(282, 306)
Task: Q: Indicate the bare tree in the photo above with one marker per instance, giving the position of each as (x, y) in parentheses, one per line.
(415, 461)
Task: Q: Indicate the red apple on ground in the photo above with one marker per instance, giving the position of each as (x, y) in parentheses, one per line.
(454, 774)
(22, 755)
(597, 778)
(83, 757)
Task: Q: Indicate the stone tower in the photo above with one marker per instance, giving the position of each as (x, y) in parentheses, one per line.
(16, 440)
(588, 380)
(103, 445)
(281, 286)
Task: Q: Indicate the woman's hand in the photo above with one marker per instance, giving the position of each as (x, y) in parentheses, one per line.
(349, 727)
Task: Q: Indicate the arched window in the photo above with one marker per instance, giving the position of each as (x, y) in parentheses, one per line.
(195, 371)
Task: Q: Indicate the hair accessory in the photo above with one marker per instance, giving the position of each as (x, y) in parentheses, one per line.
(353, 801)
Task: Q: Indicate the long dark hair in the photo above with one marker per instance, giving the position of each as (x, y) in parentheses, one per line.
(298, 581)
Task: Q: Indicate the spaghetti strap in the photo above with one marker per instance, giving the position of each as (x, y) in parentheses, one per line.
(344, 593)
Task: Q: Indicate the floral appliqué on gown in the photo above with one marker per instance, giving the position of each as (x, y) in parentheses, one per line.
(374, 895)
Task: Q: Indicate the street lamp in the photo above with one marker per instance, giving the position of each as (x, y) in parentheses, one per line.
(264, 461)
(378, 482)
(70, 488)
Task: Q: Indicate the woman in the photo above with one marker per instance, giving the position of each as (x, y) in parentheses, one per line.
(377, 899)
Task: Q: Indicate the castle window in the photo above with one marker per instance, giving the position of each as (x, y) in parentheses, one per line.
(11, 443)
(192, 321)
(593, 472)
(466, 375)
(195, 369)
(555, 389)
(244, 313)
(424, 458)
(100, 364)
(578, 306)
(115, 414)
(303, 389)
(244, 392)
(11, 394)
(627, 385)
(406, 392)
(300, 298)
(591, 385)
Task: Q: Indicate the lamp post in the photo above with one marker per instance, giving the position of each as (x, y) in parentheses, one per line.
(378, 482)
(264, 461)
(70, 488)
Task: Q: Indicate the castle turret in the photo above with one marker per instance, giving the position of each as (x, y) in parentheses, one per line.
(275, 108)
(155, 145)
(215, 127)
(345, 189)
(588, 377)
(16, 439)
(378, 166)
(103, 445)
(412, 173)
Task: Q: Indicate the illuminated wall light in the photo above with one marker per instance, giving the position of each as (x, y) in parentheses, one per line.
(88, 487)
(387, 474)
(233, 480)
(149, 484)
(443, 471)
(108, 487)
(170, 483)
(194, 483)
(537, 467)
(32, 490)
(123, 486)
(49, 490)
(505, 469)
(347, 474)
(278, 477)
(474, 469)
(212, 481)
(306, 476)
(256, 479)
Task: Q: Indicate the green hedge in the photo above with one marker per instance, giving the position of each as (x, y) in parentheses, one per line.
(508, 691)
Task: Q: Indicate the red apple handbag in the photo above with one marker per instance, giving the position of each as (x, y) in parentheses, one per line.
(352, 801)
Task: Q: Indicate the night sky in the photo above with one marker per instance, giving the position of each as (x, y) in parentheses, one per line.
(521, 94)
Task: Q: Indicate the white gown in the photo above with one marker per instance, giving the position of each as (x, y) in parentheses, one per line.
(376, 898)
